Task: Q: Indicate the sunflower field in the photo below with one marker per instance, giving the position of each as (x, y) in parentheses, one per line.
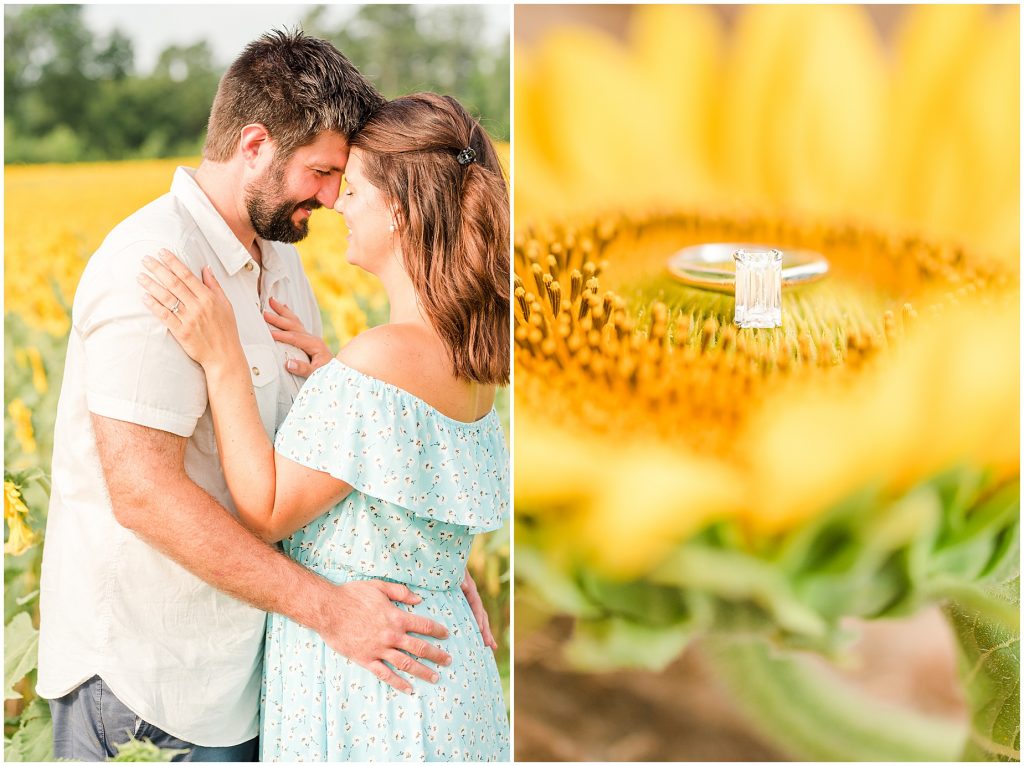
(761, 495)
(55, 217)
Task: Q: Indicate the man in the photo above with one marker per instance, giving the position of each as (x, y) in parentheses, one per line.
(153, 596)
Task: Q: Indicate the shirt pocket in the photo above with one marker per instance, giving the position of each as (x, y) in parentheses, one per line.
(265, 376)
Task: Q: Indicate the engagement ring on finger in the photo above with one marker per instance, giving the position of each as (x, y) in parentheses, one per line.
(755, 274)
(176, 306)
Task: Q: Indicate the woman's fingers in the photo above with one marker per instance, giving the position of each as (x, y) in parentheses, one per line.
(485, 630)
(287, 336)
(483, 622)
(279, 322)
(298, 367)
(161, 294)
(171, 281)
(302, 340)
(476, 605)
(283, 318)
(283, 310)
(282, 322)
(211, 282)
(181, 271)
(169, 320)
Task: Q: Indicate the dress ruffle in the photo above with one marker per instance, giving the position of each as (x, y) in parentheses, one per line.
(393, 446)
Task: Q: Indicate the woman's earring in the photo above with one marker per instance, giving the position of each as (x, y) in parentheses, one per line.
(392, 227)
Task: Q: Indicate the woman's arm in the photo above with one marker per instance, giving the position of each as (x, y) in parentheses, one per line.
(274, 496)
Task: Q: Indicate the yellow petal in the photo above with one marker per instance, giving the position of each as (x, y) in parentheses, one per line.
(20, 538)
(948, 396)
(14, 506)
(621, 507)
(678, 49)
(802, 108)
(954, 147)
(537, 165)
(23, 432)
(650, 501)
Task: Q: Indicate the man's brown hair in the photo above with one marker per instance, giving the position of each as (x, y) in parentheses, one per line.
(454, 223)
(294, 85)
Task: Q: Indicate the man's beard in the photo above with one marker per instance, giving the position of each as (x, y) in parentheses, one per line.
(270, 216)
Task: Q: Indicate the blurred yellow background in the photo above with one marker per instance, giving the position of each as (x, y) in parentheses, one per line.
(905, 115)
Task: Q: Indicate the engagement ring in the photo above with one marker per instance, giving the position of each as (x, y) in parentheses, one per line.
(756, 275)
(176, 306)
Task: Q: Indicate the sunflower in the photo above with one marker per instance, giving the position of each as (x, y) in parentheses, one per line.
(678, 477)
(20, 537)
(21, 417)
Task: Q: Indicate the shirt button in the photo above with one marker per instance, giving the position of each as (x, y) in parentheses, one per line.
(255, 370)
(248, 266)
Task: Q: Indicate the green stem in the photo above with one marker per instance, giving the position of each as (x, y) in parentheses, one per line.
(813, 715)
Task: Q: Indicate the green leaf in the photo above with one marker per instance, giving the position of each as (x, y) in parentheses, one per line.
(561, 591)
(620, 643)
(814, 543)
(973, 549)
(33, 741)
(1005, 559)
(640, 601)
(989, 645)
(21, 650)
(144, 750)
(735, 576)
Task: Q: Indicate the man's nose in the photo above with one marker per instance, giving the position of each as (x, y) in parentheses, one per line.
(328, 193)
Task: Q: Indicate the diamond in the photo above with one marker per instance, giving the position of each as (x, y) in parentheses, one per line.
(758, 288)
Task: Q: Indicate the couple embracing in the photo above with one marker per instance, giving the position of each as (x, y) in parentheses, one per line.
(203, 420)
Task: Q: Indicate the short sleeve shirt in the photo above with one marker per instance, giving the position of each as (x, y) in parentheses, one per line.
(179, 653)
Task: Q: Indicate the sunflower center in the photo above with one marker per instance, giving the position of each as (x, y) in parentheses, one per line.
(654, 356)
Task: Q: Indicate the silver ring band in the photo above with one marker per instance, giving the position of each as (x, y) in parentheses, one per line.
(176, 306)
(711, 266)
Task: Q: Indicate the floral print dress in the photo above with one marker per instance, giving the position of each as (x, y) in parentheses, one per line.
(423, 485)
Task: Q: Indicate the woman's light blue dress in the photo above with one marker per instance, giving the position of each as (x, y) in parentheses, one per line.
(424, 484)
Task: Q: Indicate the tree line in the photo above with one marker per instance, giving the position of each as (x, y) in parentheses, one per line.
(73, 95)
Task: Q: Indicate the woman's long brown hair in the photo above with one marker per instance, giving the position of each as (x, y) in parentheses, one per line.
(453, 224)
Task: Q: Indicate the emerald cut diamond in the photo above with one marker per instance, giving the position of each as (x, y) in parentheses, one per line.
(758, 288)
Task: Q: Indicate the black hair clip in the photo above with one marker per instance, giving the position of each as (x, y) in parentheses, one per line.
(466, 156)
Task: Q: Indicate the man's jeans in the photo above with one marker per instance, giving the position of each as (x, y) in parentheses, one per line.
(90, 720)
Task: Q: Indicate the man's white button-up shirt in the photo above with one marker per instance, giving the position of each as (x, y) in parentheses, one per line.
(182, 655)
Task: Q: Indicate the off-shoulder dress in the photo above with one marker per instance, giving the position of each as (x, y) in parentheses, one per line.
(424, 485)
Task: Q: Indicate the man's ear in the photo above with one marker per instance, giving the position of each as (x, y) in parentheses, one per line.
(253, 142)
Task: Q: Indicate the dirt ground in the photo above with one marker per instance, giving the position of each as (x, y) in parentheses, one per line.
(684, 714)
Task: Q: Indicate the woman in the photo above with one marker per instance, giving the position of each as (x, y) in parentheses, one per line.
(392, 456)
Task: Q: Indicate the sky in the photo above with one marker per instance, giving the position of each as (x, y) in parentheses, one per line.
(228, 28)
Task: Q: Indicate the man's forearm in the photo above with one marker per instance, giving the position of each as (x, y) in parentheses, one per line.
(152, 495)
(229, 557)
